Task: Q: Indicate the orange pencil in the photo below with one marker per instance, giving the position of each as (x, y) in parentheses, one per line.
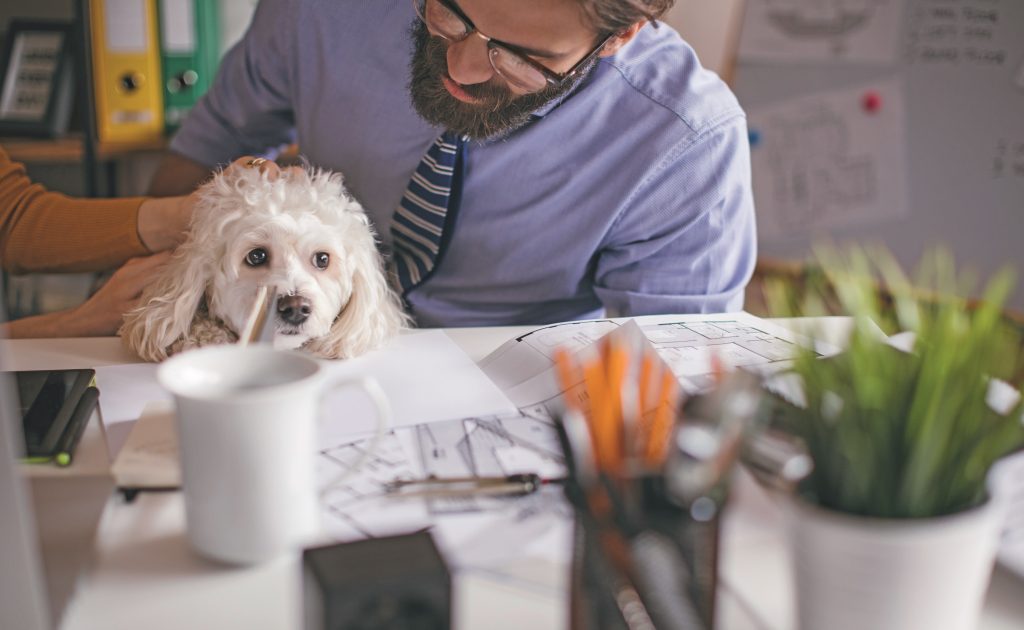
(601, 419)
(568, 376)
(618, 363)
(661, 427)
(717, 366)
(643, 400)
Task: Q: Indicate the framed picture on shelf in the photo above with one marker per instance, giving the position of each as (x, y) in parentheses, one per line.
(36, 79)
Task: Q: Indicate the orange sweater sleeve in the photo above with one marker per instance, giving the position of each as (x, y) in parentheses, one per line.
(47, 231)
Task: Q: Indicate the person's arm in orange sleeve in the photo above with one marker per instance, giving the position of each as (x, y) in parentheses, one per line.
(44, 231)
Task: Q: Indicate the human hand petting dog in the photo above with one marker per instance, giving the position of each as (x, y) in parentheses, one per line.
(103, 313)
(163, 221)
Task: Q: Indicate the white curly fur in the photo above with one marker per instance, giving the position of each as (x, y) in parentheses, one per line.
(204, 295)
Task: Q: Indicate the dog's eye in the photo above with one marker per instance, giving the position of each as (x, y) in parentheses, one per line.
(256, 257)
(321, 260)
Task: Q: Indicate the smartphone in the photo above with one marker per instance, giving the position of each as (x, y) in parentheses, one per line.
(50, 409)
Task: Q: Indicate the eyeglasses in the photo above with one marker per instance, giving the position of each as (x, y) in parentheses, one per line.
(513, 64)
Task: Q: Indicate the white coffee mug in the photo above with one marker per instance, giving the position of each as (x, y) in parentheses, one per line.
(246, 419)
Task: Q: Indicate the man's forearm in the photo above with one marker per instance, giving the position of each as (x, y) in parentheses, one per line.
(177, 175)
(162, 221)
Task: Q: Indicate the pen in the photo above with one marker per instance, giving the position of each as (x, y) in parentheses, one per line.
(259, 326)
(453, 487)
(76, 426)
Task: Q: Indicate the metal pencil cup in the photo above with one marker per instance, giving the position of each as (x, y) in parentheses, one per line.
(657, 569)
(646, 543)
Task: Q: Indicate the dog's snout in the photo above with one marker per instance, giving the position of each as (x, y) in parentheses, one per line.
(294, 309)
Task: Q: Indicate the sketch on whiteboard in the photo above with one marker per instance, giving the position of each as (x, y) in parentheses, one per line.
(821, 30)
(814, 172)
(832, 19)
(1009, 160)
(824, 161)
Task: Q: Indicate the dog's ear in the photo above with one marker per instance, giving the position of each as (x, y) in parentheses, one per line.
(372, 316)
(168, 305)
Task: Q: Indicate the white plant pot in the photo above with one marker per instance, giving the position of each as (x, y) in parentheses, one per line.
(862, 573)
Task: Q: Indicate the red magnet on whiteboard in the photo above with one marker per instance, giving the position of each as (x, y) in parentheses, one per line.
(872, 102)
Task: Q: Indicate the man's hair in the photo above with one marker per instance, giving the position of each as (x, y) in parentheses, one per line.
(609, 16)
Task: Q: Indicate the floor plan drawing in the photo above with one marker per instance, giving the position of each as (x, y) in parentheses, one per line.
(357, 477)
(825, 161)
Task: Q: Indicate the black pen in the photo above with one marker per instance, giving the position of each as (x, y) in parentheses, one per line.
(76, 426)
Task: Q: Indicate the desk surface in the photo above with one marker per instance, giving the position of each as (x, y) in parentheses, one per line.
(145, 575)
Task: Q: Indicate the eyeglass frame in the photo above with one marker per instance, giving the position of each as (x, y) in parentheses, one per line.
(552, 77)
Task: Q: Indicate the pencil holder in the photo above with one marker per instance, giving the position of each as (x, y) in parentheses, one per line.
(671, 552)
(646, 550)
(643, 556)
(647, 487)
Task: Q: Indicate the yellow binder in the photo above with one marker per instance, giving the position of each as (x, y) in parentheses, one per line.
(126, 70)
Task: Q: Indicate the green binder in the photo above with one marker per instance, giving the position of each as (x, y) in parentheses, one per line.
(190, 52)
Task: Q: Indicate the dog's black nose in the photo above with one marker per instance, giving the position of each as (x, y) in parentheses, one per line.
(294, 309)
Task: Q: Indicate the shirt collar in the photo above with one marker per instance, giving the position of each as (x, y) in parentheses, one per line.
(546, 108)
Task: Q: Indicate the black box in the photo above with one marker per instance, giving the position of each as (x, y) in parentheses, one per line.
(394, 583)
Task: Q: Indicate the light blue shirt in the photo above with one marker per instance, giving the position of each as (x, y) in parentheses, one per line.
(631, 196)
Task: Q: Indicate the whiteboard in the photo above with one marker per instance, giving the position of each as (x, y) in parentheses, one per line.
(922, 104)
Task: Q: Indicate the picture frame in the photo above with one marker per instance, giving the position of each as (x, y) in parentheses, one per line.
(37, 78)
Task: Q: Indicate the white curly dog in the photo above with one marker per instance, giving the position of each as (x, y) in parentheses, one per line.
(298, 230)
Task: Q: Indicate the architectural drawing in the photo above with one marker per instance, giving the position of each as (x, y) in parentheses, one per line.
(525, 442)
(814, 173)
(825, 161)
(830, 19)
(821, 30)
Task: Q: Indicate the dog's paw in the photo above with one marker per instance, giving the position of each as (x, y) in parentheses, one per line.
(204, 332)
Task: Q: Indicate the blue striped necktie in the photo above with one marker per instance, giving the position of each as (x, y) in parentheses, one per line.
(425, 218)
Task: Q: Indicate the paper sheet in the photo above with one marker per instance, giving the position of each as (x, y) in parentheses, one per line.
(686, 343)
(495, 534)
(802, 31)
(424, 374)
(478, 533)
(500, 536)
(826, 161)
(149, 458)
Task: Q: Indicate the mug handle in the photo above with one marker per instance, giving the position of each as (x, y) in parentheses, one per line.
(385, 420)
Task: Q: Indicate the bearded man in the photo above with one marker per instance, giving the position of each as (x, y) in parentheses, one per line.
(523, 162)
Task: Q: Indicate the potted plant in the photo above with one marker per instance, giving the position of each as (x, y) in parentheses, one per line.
(894, 527)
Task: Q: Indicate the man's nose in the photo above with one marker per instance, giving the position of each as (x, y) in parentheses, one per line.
(294, 309)
(468, 61)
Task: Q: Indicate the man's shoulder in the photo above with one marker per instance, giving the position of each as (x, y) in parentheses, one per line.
(660, 76)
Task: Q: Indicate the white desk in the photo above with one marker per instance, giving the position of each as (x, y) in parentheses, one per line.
(145, 575)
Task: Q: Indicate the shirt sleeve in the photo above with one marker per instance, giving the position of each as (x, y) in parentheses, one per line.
(686, 242)
(248, 109)
(45, 231)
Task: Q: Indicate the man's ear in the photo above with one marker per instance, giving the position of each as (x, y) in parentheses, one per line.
(621, 39)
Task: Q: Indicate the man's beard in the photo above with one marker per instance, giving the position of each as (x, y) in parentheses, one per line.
(498, 111)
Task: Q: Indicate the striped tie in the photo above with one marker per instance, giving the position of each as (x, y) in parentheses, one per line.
(426, 214)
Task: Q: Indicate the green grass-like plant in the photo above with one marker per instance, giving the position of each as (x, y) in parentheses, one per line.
(904, 435)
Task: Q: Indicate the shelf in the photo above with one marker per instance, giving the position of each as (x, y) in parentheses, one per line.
(70, 149)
